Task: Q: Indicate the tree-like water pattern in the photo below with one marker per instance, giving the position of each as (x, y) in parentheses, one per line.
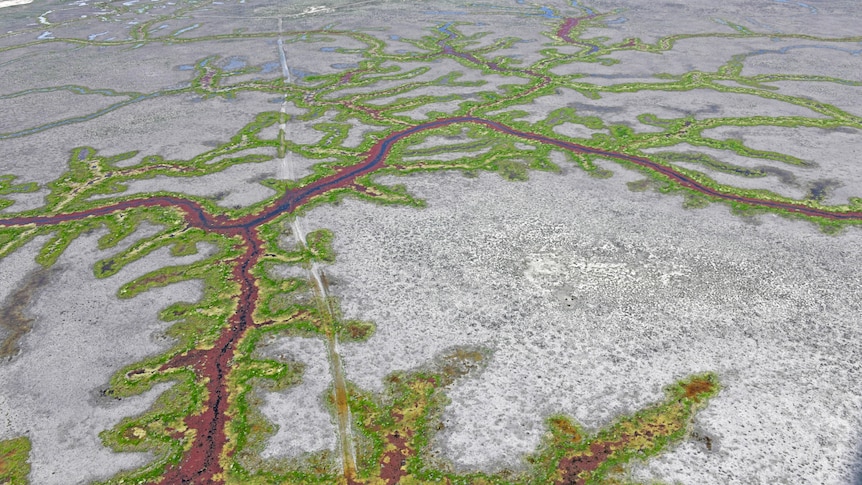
(206, 428)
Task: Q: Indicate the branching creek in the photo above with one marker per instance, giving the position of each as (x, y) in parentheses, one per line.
(202, 464)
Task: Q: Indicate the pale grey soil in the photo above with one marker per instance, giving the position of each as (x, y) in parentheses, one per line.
(304, 424)
(651, 21)
(834, 154)
(841, 96)
(48, 107)
(780, 178)
(236, 186)
(160, 126)
(144, 70)
(810, 58)
(593, 299)
(52, 389)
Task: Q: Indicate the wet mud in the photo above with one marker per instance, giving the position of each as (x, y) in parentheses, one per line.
(14, 324)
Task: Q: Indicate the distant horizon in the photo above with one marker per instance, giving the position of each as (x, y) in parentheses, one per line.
(12, 3)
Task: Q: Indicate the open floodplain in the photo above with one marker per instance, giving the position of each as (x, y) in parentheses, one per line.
(504, 242)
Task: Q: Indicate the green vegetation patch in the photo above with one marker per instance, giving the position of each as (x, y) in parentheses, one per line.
(709, 162)
(14, 464)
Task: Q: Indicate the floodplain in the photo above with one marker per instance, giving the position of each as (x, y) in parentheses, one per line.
(502, 242)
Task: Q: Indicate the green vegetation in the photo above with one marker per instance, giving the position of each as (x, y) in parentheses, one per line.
(14, 466)
(569, 454)
(244, 301)
(399, 425)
